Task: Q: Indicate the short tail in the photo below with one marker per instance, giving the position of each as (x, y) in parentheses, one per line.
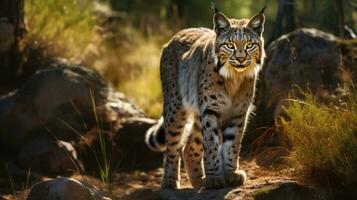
(155, 137)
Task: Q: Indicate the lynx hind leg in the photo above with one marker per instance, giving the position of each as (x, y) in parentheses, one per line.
(174, 125)
(192, 156)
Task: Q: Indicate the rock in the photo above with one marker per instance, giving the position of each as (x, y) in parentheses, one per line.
(6, 36)
(306, 59)
(303, 60)
(144, 194)
(49, 156)
(287, 191)
(18, 176)
(132, 149)
(64, 189)
(126, 147)
(58, 102)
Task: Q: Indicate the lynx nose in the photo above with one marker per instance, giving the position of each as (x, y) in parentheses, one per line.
(240, 59)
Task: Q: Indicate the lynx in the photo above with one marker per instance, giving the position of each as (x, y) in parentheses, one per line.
(208, 81)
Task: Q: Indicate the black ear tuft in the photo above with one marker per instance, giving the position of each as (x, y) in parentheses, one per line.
(214, 7)
(262, 11)
(257, 22)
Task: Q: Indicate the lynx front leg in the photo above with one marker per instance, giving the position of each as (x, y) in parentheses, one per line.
(233, 130)
(212, 156)
(232, 138)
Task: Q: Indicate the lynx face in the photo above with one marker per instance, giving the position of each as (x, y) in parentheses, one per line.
(239, 44)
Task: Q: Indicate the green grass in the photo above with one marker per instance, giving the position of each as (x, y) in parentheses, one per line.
(12, 184)
(104, 164)
(67, 24)
(121, 53)
(324, 138)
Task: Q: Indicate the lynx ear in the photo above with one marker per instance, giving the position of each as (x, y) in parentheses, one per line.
(257, 22)
(221, 23)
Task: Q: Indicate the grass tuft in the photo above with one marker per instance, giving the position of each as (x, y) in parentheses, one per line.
(70, 24)
(117, 49)
(104, 166)
(324, 138)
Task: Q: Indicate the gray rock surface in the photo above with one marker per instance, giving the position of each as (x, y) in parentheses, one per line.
(49, 156)
(132, 149)
(64, 189)
(126, 148)
(288, 191)
(306, 59)
(57, 102)
(6, 36)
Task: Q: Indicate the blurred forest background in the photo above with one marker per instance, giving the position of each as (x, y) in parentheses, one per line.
(123, 39)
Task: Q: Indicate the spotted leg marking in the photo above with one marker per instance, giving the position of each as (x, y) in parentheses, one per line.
(192, 155)
(174, 124)
(212, 156)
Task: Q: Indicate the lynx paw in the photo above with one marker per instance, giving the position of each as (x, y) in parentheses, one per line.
(170, 183)
(197, 183)
(214, 182)
(235, 178)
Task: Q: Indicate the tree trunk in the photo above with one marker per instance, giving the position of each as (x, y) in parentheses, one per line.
(12, 30)
(313, 7)
(290, 24)
(278, 25)
(341, 18)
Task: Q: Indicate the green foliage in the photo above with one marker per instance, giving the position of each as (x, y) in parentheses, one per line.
(72, 30)
(125, 49)
(68, 24)
(104, 162)
(324, 138)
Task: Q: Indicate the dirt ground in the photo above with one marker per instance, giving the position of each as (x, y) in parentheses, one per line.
(146, 185)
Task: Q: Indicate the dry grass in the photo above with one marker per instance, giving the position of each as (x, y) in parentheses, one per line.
(324, 138)
(145, 86)
(132, 66)
(123, 55)
(68, 24)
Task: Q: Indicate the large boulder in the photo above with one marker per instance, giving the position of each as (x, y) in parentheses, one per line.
(306, 60)
(125, 148)
(132, 149)
(61, 101)
(64, 189)
(49, 156)
(66, 115)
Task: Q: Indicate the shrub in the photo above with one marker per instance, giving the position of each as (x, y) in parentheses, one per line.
(324, 138)
(66, 23)
(73, 29)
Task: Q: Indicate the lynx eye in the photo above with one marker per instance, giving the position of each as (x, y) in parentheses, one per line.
(230, 45)
(248, 45)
